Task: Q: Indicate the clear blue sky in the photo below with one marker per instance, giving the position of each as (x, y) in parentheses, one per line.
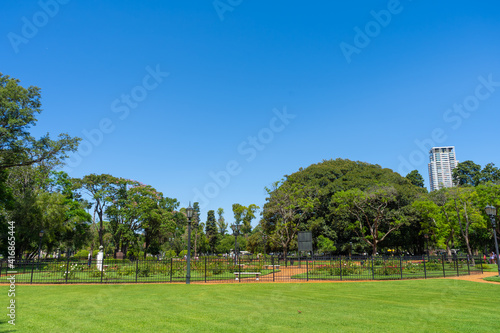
(362, 80)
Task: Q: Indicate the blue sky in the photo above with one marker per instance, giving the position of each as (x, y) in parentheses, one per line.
(215, 100)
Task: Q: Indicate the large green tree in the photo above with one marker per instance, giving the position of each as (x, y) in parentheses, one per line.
(332, 176)
(415, 178)
(286, 211)
(376, 212)
(101, 189)
(211, 230)
(19, 107)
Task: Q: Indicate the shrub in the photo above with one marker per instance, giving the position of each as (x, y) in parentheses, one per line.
(143, 271)
(170, 254)
(432, 266)
(96, 273)
(411, 267)
(82, 254)
(388, 270)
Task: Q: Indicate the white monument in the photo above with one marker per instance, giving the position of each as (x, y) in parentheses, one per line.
(100, 256)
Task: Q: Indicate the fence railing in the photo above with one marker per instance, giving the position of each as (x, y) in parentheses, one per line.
(242, 269)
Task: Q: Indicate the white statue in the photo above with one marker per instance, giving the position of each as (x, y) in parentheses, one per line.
(100, 256)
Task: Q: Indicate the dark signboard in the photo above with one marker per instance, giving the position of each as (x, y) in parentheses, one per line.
(305, 241)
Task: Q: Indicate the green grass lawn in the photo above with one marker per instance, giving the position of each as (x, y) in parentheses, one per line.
(493, 278)
(490, 267)
(389, 306)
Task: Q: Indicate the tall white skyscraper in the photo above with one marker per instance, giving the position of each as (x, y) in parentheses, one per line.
(442, 162)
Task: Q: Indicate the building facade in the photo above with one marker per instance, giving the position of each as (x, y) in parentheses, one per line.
(442, 162)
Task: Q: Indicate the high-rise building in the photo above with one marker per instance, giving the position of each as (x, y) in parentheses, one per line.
(442, 162)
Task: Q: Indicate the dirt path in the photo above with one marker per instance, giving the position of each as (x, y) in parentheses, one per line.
(476, 277)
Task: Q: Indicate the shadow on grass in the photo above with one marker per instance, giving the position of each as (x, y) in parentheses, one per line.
(5, 327)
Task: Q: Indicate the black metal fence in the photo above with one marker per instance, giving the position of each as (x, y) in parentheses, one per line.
(242, 269)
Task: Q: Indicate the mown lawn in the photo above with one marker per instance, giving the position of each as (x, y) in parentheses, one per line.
(388, 306)
(493, 278)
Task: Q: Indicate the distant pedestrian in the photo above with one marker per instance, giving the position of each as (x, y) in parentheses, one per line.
(492, 257)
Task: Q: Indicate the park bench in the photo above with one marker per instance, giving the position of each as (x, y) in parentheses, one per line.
(272, 266)
(238, 274)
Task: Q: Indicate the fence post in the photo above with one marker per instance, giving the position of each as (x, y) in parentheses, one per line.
(171, 268)
(401, 266)
(205, 269)
(481, 261)
(456, 259)
(102, 267)
(425, 270)
(468, 266)
(340, 267)
(272, 264)
(32, 268)
(67, 270)
(136, 269)
(442, 260)
(307, 269)
(373, 270)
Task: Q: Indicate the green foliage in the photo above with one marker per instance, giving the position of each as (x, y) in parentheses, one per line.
(325, 245)
(470, 173)
(211, 230)
(18, 109)
(82, 254)
(415, 178)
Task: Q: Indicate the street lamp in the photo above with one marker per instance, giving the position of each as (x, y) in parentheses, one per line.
(236, 232)
(491, 211)
(40, 248)
(189, 213)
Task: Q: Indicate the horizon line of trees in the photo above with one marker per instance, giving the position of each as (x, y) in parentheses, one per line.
(348, 206)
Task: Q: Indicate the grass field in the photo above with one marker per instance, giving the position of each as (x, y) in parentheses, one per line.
(493, 278)
(389, 306)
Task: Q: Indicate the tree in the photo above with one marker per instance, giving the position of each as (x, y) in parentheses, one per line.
(155, 213)
(101, 188)
(18, 109)
(375, 211)
(415, 178)
(44, 201)
(467, 173)
(332, 176)
(211, 230)
(490, 173)
(468, 216)
(287, 209)
(244, 215)
(221, 222)
(326, 245)
(438, 222)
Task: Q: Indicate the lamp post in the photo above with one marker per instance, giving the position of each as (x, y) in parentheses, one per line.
(426, 236)
(40, 248)
(236, 231)
(491, 211)
(189, 213)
